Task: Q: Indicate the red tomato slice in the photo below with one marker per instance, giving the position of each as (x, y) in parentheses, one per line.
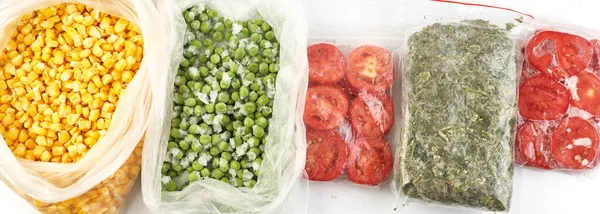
(540, 98)
(369, 161)
(596, 58)
(532, 145)
(326, 63)
(558, 55)
(575, 144)
(370, 68)
(588, 93)
(326, 155)
(326, 107)
(371, 115)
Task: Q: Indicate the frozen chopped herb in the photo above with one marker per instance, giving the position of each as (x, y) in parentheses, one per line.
(457, 141)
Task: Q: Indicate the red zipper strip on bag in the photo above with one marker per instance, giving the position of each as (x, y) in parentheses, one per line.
(483, 5)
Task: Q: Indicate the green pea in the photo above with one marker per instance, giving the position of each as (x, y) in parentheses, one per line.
(217, 174)
(204, 139)
(197, 166)
(240, 173)
(265, 27)
(225, 84)
(255, 87)
(235, 96)
(262, 101)
(239, 53)
(236, 84)
(203, 71)
(253, 51)
(250, 77)
(262, 122)
(172, 173)
(263, 68)
(178, 98)
(193, 177)
(165, 168)
(190, 102)
(215, 59)
(216, 139)
(195, 24)
(224, 168)
(205, 172)
(225, 119)
(221, 108)
(253, 27)
(255, 37)
(244, 92)
(248, 122)
(210, 108)
(177, 167)
(196, 146)
(175, 133)
(270, 36)
(171, 186)
(203, 17)
(228, 23)
(223, 97)
(184, 145)
(215, 162)
(253, 67)
(189, 16)
(253, 96)
(258, 132)
(249, 107)
(180, 80)
(205, 27)
(184, 63)
(211, 13)
(226, 156)
(235, 165)
(229, 127)
(252, 183)
(274, 68)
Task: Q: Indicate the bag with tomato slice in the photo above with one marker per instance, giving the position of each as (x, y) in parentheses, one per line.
(255, 171)
(459, 112)
(349, 111)
(559, 100)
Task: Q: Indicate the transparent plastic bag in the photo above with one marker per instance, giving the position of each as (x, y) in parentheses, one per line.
(558, 111)
(285, 145)
(459, 113)
(100, 181)
(349, 110)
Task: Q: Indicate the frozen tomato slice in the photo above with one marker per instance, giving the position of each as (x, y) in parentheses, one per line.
(559, 55)
(588, 92)
(369, 161)
(326, 107)
(326, 155)
(370, 68)
(596, 58)
(574, 143)
(533, 146)
(326, 63)
(371, 115)
(540, 98)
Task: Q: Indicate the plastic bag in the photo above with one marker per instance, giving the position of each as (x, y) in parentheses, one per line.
(285, 146)
(100, 180)
(349, 109)
(558, 107)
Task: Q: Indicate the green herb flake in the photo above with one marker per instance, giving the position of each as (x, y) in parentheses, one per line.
(461, 87)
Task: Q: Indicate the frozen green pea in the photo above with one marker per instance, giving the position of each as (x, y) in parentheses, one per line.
(180, 80)
(257, 115)
(204, 139)
(210, 108)
(197, 166)
(165, 168)
(194, 129)
(195, 24)
(249, 107)
(263, 68)
(172, 173)
(239, 53)
(258, 132)
(237, 124)
(185, 63)
(274, 68)
(262, 101)
(262, 122)
(253, 51)
(261, 92)
(221, 108)
(203, 58)
(211, 13)
(189, 16)
(175, 122)
(229, 127)
(177, 167)
(244, 92)
(205, 172)
(255, 37)
(219, 26)
(208, 44)
(205, 27)
(203, 71)
(225, 180)
(255, 87)
(171, 186)
(245, 33)
(226, 156)
(217, 174)
(240, 173)
(224, 167)
(216, 139)
(265, 26)
(204, 17)
(253, 67)
(175, 133)
(248, 122)
(253, 96)
(196, 43)
(253, 28)
(196, 146)
(215, 162)
(184, 89)
(184, 125)
(236, 84)
(235, 165)
(198, 110)
(193, 177)
(244, 163)
(206, 89)
(215, 59)
(250, 77)
(219, 50)
(223, 97)
(225, 84)
(270, 35)
(190, 102)
(178, 98)
(218, 36)
(228, 23)
(184, 145)
(235, 96)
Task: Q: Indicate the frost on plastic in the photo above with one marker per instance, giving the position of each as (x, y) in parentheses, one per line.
(459, 114)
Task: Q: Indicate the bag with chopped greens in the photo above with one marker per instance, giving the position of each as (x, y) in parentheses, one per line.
(459, 112)
(227, 134)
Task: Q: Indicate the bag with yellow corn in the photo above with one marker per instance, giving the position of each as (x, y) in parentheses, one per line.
(74, 100)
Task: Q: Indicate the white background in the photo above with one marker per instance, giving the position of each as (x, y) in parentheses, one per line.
(534, 191)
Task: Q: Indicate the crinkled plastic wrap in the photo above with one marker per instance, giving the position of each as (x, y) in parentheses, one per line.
(558, 101)
(100, 181)
(285, 146)
(459, 112)
(349, 110)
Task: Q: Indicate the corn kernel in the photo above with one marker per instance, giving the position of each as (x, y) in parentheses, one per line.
(63, 137)
(20, 150)
(58, 150)
(41, 141)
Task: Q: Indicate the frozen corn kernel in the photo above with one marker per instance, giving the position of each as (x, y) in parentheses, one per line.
(59, 86)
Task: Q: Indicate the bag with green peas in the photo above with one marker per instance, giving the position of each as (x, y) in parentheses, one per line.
(227, 134)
